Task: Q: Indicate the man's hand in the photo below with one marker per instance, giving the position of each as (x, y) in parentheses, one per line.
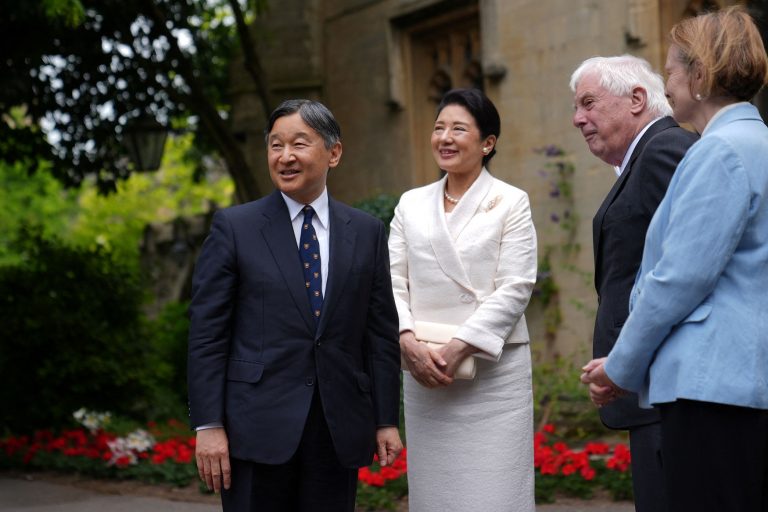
(425, 364)
(602, 390)
(388, 445)
(212, 454)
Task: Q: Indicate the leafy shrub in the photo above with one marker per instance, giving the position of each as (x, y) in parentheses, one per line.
(381, 206)
(70, 335)
(168, 334)
(560, 398)
(31, 198)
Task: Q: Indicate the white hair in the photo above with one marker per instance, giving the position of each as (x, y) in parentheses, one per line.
(619, 75)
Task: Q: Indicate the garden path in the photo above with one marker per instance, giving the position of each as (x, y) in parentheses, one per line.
(35, 495)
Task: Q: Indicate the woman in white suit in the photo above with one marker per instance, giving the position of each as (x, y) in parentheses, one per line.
(696, 341)
(463, 254)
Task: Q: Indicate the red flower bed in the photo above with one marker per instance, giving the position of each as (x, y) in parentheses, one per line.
(578, 472)
(378, 476)
(166, 453)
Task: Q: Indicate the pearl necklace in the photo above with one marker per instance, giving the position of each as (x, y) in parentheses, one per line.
(450, 198)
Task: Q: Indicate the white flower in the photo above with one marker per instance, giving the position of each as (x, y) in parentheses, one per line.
(130, 446)
(92, 420)
(119, 448)
(140, 440)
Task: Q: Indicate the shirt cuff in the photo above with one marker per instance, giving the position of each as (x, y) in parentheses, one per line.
(209, 425)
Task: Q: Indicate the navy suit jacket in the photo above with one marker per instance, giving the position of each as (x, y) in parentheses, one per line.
(255, 353)
(618, 231)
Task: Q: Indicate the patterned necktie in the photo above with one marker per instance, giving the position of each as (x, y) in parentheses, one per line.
(309, 250)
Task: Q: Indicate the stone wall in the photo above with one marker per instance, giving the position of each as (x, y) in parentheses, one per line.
(361, 58)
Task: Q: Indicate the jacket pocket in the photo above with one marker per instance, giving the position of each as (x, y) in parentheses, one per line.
(699, 314)
(363, 381)
(240, 370)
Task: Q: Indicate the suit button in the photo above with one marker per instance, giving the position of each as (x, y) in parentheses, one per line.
(310, 381)
(466, 298)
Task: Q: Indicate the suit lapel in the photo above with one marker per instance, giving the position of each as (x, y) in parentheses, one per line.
(279, 238)
(442, 237)
(469, 204)
(341, 249)
(597, 223)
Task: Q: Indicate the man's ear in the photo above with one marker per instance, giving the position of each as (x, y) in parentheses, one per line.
(639, 99)
(335, 155)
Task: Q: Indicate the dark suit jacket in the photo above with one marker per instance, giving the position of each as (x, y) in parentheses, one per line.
(255, 356)
(618, 231)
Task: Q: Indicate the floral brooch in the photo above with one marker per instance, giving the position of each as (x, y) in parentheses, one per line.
(493, 202)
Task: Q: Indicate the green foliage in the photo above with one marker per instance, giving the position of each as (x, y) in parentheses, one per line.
(168, 334)
(117, 221)
(618, 484)
(70, 335)
(547, 294)
(169, 472)
(71, 12)
(559, 170)
(103, 65)
(561, 399)
(381, 206)
(71, 291)
(548, 487)
(31, 200)
(370, 498)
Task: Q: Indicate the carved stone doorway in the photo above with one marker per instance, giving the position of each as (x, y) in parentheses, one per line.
(440, 52)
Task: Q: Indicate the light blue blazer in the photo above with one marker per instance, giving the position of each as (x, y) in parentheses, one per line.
(698, 323)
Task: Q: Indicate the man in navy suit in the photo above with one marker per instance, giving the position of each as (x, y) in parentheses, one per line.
(294, 360)
(624, 116)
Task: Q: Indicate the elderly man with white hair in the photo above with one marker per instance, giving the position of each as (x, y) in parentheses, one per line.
(622, 112)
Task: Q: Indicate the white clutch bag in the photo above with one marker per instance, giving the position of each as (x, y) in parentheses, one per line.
(436, 334)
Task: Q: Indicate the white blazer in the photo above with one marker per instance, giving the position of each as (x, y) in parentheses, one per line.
(476, 267)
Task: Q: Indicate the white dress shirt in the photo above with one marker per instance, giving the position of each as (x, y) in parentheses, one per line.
(631, 148)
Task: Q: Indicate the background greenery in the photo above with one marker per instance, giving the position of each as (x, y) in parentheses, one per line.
(73, 327)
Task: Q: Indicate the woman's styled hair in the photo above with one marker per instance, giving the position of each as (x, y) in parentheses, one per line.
(725, 46)
(480, 108)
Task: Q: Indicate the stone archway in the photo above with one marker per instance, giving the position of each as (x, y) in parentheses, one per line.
(440, 50)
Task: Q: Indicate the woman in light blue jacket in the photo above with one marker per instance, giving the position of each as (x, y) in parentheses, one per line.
(696, 342)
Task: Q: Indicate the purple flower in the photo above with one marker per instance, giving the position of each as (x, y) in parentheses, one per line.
(554, 217)
(553, 150)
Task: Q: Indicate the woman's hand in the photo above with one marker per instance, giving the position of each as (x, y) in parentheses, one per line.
(427, 366)
(454, 353)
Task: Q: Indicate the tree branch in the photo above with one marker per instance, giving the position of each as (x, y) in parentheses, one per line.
(251, 60)
(246, 185)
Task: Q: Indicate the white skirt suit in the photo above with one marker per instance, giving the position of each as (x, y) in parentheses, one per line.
(470, 445)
